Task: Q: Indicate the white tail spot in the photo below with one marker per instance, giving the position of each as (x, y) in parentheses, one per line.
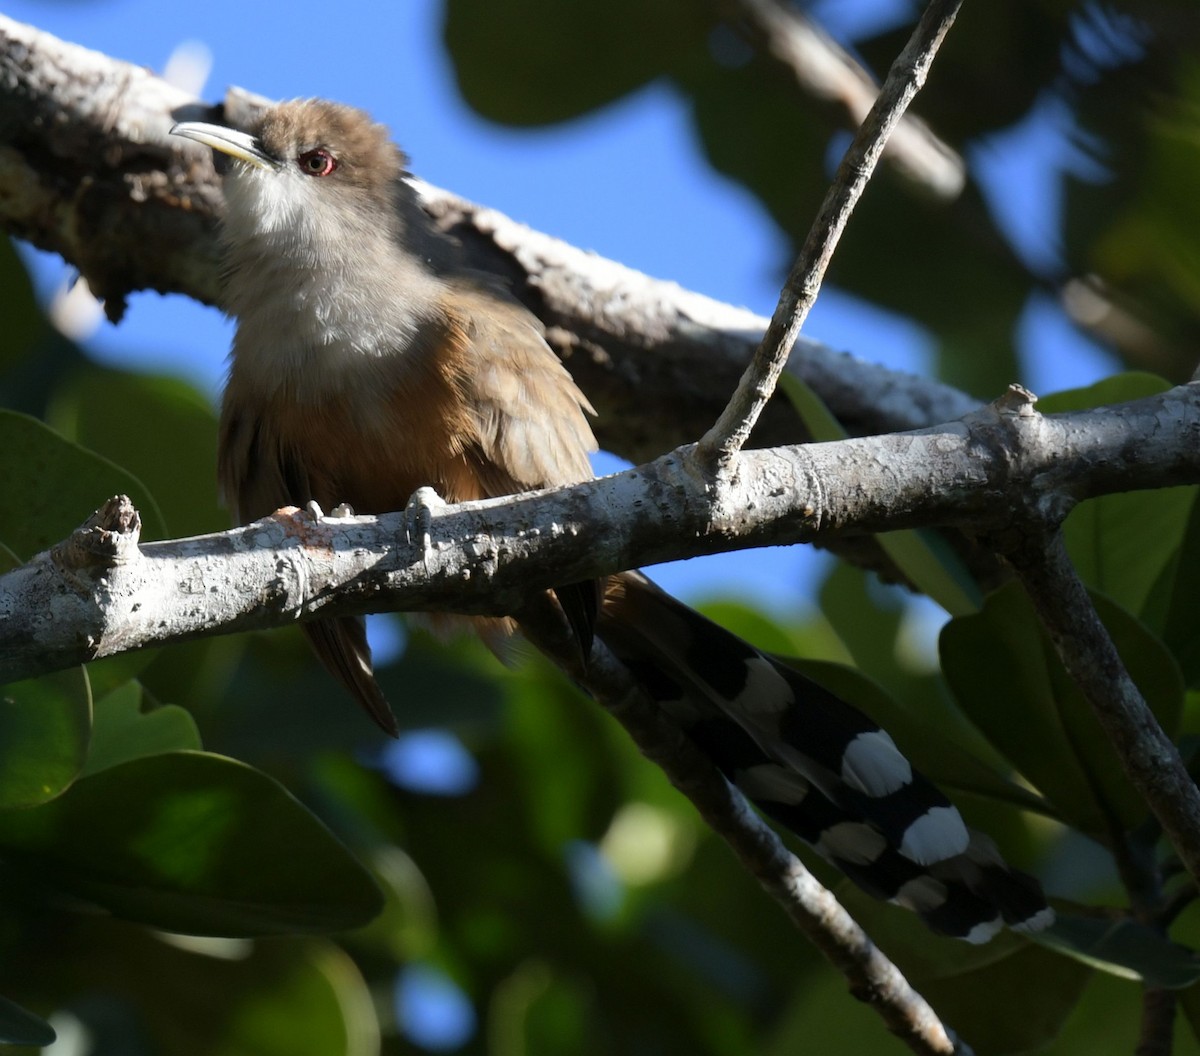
(873, 765)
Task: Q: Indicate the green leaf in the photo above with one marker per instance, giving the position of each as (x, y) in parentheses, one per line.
(1189, 1004)
(193, 843)
(1121, 544)
(1129, 385)
(181, 475)
(813, 638)
(121, 730)
(817, 418)
(931, 566)
(182, 996)
(60, 484)
(537, 1009)
(1123, 948)
(556, 745)
(1007, 678)
(21, 1027)
(1179, 587)
(113, 672)
(868, 618)
(45, 724)
(867, 621)
(623, 44)
(22, 320)
(821, 1007)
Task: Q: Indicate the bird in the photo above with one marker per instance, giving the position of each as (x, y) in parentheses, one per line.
(370, 362)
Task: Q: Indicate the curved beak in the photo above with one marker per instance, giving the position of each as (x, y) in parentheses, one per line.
(228, 141)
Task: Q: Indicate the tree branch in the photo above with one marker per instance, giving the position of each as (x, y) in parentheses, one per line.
(732, 430)
(978, 473)
(1147, 754)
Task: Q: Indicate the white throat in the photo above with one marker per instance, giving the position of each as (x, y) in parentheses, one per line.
(321, 293)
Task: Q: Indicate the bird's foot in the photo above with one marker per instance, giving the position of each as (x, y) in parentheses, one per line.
(313, 509)
(418, 518)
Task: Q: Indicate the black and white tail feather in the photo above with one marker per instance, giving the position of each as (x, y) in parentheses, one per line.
(820, 768)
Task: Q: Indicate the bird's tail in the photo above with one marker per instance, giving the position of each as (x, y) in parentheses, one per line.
(818, 766)
(341, 645)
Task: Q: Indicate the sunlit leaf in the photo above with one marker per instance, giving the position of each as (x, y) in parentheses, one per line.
(757, 627)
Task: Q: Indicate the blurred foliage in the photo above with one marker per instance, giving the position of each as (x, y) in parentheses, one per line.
(205, 850)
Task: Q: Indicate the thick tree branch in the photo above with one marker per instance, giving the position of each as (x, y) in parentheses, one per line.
(88, 170)
(732, 430)
(994, 472)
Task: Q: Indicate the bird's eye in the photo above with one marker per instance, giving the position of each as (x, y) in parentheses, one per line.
(318, 162)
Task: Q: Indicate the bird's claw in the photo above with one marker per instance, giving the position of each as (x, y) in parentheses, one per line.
(418, 518)
(341, 510)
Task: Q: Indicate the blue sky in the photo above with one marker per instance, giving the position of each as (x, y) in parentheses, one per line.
(628, 182)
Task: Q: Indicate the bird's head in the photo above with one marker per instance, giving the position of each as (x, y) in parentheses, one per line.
(305, 166)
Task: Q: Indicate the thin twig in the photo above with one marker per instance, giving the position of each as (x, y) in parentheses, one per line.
(904, 80)
(1147, 755)
(812, 908)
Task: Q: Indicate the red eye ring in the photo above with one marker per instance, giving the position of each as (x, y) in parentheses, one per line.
(317, 162)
